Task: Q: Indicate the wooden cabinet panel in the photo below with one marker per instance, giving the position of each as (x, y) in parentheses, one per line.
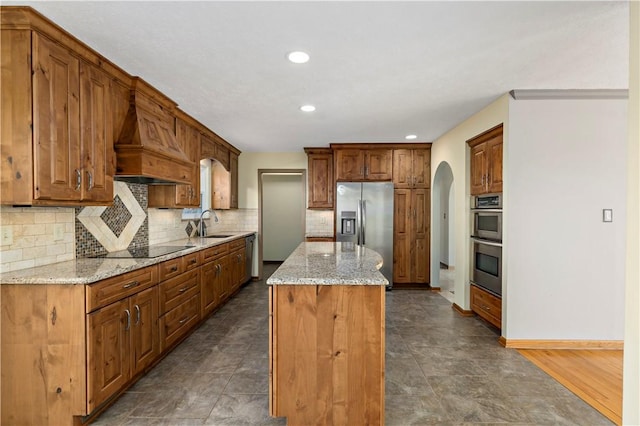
(320, 176)
(108, 351)
(144, 329)
(56, 122)
(177, 322)
(170, 268)
(411, 236)
(209, 274)
(486, 162)
(175, 291)
(96, 136)
(113, 289)
(486, 305)
(378, 164)
(412, 168)
(233, 166)
(349, 164)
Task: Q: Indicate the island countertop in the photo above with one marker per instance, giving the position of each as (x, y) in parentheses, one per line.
(329, 263)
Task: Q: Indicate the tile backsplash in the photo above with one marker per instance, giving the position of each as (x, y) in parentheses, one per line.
(35, 236)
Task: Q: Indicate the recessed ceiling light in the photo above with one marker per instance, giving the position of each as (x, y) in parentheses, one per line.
(298, 57)
(410, 137)
(307, 108)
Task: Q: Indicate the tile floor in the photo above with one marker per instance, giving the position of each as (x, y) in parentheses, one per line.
(440, 369)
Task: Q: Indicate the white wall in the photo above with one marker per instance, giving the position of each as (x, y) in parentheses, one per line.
(250, 162)
(440, 207)
(565, 267)
(452, 148)
(631, 369)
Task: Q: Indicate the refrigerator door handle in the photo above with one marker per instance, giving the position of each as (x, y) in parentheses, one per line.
(363, 203)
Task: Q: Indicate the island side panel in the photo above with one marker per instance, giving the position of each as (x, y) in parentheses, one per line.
(328, 360)
(43, 354)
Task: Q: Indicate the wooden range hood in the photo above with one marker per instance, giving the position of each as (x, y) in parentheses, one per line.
(147, 150)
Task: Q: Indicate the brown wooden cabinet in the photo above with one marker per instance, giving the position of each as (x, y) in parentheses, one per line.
(412, 168)
(486, 162)
(57, 127)
(213, 275)
(237, 264)
(179, 307)
(411, 236)
(353, 162)
(486, 305)
(326, 354)
(320, 178)
(224, 172)
(233, 169)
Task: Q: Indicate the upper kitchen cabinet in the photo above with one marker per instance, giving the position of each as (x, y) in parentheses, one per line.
(320, 172)
(358, 162)
(486, 162)
(57, 141)
(412, 166)
(147, 150)
(187, 195)
(224, 171)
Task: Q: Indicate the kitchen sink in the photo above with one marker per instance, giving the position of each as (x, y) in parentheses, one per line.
(218, 236)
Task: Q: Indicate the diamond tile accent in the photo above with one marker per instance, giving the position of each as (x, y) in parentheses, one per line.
(117, 216)
(189, 229)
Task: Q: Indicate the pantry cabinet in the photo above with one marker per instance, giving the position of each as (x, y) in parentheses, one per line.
(320, 178)
(411, 236)
(356, 163)
(486, 162)
(412, 168)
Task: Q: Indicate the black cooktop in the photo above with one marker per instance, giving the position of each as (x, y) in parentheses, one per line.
(143, 252)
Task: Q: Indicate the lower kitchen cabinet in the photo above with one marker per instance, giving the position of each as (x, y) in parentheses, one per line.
(122, 339)
(179, 307)
(237, 264)
(486, 306)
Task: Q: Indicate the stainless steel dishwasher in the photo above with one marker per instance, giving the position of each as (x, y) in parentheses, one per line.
(249, 240)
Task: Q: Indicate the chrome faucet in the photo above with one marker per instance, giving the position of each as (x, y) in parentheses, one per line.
(215, 219)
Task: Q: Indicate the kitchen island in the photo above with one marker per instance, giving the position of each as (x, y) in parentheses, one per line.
(327, 336)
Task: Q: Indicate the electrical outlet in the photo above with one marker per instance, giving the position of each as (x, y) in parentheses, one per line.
(7, 235)
(58, 231)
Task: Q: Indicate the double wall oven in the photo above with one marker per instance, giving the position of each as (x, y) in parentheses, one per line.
(486, 242)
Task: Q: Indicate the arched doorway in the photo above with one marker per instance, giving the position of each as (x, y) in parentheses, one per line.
(442, 236)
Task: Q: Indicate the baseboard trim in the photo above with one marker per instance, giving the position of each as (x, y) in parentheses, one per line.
(437, 289)
(563, 344)
(462, 312)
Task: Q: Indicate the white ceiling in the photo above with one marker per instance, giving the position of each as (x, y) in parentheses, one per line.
(378, 70)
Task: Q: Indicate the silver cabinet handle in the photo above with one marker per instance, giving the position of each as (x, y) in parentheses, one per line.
(90, 180)
(183, 289)
(78, 179)
(182, 321)
(137, 314)
(131, 284)
(128, 326)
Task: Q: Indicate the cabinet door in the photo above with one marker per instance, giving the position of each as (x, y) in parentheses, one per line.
(349, 164)
(96, 134)
(56, 122)
(420, 225)
(378, 164)
(494, 171)
(108, 349)
(421, 167)
(402, 236)
(226, 279)
(144, 329)
(209, 287)
(320, 181)
(402, 168)
(478, 169)
(233, 166)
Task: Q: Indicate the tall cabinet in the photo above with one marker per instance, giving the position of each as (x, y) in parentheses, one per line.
(486, 162)
(412, 201)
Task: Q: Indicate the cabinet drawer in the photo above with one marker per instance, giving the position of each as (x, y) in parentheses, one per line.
(113, 289)
(191, 261)
(487, 306)
(175, 291)
(175, 323)
(170, 268)
(236, 244)
(214, 252)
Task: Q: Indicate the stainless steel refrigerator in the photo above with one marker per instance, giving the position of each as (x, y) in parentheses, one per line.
(364, 216)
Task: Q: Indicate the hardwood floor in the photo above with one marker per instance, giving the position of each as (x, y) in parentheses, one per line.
(593, 375)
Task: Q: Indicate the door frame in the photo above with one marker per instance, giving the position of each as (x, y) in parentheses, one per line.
(261, 172)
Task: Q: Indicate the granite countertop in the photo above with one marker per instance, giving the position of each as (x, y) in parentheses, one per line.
(325, 263)
(87, 271)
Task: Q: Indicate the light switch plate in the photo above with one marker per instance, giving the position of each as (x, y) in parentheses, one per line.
(607, 215)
